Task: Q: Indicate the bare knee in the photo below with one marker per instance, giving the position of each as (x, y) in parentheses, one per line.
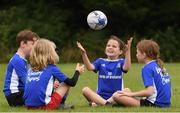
(115, 96)
(85, 89)
(125, 100)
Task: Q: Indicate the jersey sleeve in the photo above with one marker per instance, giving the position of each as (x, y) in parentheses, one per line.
(61, 77)
(147, 75)
(20, 67)
(96, 64)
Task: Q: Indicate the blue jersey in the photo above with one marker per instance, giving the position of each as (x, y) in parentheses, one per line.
(39, 85)
(152, 76)
(110, 74)
(15, 75)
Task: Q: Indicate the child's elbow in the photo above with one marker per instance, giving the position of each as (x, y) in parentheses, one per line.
(90, 68)
(149, 94)
(150, 91)
(126, 68)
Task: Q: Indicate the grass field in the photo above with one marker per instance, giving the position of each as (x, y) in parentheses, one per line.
(132, 80)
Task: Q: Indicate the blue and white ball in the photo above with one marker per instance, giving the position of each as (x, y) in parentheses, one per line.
(97, 20)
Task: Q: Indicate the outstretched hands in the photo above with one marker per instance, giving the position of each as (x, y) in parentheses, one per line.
(80, 68)
(128, 45)
(81, 47)
(85, 58)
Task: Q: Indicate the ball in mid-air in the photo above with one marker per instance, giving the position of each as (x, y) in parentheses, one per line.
(97, 20)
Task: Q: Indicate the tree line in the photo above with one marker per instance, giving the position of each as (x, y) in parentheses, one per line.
(64, 22)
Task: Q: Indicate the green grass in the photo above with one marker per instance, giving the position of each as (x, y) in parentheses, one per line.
(132, 80)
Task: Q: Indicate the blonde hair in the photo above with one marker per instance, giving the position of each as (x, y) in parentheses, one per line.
(151, 49)
(42, 54)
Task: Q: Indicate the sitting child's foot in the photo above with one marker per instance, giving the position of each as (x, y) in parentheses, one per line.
(92, 104)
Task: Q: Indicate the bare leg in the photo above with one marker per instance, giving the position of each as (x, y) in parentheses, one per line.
(91, 96)
(62, 89)
(65, 97)
(111, 100)
(125, 100)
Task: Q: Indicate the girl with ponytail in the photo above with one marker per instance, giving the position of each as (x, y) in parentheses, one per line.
(156, 80)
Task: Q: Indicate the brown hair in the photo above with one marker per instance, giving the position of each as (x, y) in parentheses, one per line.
(42, 54)
(25, 35)
(120, 42)
(151, 49)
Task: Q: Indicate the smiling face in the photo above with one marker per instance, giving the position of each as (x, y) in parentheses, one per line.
(112, 49)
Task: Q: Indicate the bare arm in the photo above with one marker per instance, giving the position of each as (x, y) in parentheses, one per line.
(142, 93)
(146, 92)
(85, 58)
(127, 63)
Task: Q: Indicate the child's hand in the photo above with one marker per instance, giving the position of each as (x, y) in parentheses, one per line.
(81, 47)
(80, 68)
(128, 45)
(56, 84)
(124, 93)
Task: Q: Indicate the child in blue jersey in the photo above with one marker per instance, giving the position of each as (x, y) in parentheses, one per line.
(17, 68)
(39, 91)
(111, 69)
(155, 77)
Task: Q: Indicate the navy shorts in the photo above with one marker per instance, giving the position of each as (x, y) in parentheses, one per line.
(15, 99)
(145, 102)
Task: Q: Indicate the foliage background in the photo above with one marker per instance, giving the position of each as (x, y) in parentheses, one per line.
(64, 22)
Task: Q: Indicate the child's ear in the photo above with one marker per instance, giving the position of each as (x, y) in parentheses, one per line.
(144, 54)
(22, 43)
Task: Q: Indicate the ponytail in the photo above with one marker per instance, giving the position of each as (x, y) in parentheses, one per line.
(161, 65)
